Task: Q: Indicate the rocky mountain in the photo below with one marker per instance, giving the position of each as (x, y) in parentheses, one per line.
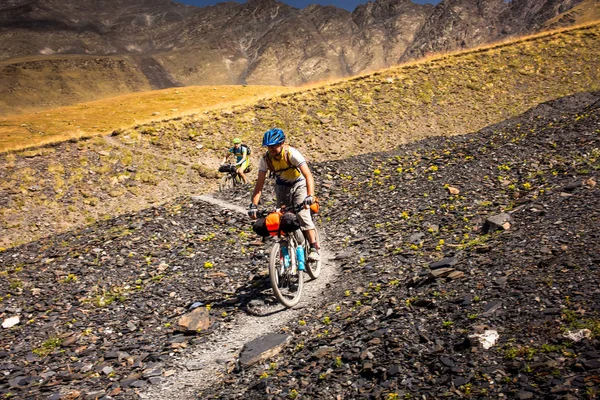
(260, 41)
(459, 24)
(90, 26)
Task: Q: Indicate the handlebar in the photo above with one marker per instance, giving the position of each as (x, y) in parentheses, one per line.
(227, 168)
(264, 213)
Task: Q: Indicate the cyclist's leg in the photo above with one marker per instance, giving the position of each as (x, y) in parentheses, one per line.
(308, 229)
(242, 177)
(242, 169)
(306, 222)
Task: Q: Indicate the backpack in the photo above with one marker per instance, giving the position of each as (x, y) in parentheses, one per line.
(286, 157)
(245, 146)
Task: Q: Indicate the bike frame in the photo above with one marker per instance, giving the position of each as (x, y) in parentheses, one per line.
(231, 178)
(284, 276)
(290, 241)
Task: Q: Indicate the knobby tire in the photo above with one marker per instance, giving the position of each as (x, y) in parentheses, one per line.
(314, 268)
(281, 283)
(226, 183)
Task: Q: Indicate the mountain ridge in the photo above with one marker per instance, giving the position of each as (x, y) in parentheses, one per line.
(264, 41)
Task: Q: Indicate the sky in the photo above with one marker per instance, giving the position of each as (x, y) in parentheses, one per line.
(349, 5)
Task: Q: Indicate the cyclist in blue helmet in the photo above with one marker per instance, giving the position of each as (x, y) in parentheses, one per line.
(294, 183)
(273, 137)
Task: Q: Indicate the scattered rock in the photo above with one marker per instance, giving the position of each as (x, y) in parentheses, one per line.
(453, 190)
(496, 222)
(441, 272)
(323, 351)
(456, 275)
(492, 307)
(444, 263)
(487, 339)
(195, 321)
(263, 348)
(10, 322)
(579, 335)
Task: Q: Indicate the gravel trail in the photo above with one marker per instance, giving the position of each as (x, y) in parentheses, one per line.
(206, 364)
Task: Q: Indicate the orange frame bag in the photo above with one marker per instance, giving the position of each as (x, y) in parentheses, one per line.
(272, 222)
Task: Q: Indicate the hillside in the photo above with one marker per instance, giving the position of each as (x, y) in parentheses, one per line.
(53, 189)
(417, 277)
(424, 272)
(36, 84)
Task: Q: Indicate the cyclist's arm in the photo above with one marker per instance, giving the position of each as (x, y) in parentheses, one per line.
(310, 181)
(260, 182)
(243, 158)
(225, 158)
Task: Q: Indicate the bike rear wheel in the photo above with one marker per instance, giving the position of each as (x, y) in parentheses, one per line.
(287, 282)
(313, 268)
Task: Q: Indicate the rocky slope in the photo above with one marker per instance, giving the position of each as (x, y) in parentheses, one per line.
(426, 270)
(422, 274)
(263, 41)
(583, 13)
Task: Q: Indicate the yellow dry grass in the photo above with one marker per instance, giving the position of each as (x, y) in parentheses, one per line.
(104, 116)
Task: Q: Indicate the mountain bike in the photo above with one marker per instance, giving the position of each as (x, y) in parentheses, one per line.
(288, 262)
(231, 178)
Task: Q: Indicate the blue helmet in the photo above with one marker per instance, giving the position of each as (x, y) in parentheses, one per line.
(273, 137)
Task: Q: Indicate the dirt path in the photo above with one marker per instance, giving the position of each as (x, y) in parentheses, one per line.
(206, 364)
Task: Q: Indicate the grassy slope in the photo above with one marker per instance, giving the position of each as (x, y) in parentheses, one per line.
(34, 84)
(103, 116)
(54, 189)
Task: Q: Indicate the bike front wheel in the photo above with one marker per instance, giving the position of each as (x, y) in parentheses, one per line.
(287, 282)
(313, 268)
(237, 180)
(225, 183)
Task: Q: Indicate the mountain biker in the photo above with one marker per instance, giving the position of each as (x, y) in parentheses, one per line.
(294, 183)
(242, 160)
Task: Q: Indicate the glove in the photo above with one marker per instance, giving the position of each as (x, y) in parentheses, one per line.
(308, 201)
(252, 211)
